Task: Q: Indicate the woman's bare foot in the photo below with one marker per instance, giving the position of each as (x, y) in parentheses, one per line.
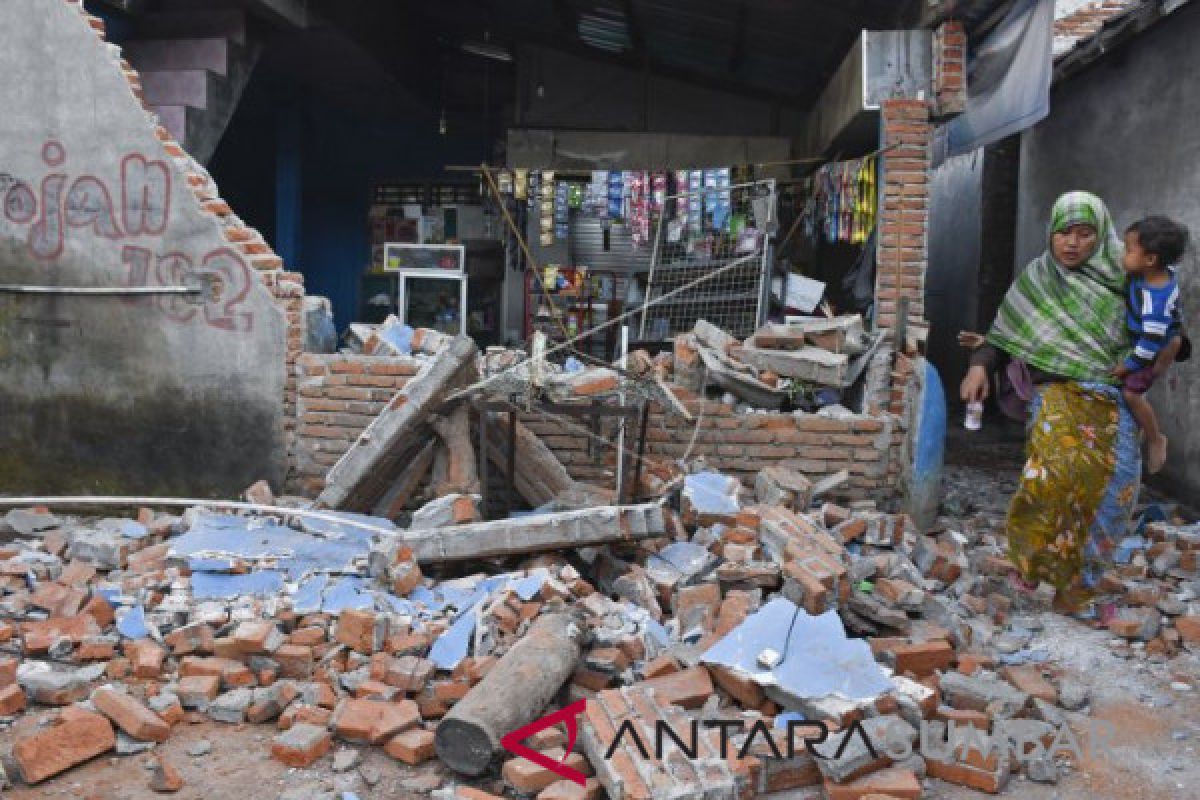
(1156, 454)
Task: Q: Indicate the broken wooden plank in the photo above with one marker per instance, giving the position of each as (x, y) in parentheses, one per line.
(535, 533)
(461, 475)
(365, 472)
(540, 477)
(402, 488)
(809, 364)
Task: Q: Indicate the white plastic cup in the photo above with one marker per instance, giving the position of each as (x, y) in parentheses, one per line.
(973, 420)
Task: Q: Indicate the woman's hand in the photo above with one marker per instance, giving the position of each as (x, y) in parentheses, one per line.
(974, 387)
(970, 340)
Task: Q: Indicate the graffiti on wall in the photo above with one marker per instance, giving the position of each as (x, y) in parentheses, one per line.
(138, 207)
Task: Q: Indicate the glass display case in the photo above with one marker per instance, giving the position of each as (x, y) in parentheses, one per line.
(431, 285)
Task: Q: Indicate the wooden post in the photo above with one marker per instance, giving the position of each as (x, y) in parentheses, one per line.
(512, 694)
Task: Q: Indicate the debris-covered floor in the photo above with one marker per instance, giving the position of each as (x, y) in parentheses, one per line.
(256, 657)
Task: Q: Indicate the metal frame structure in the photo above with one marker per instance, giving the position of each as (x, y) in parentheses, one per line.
(762, 256)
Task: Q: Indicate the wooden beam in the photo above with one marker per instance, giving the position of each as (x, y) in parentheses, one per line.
(395, 498)
(366, 471)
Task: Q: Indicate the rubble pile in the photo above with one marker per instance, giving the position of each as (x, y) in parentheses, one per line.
(812, 360)
(716, 641)
(749, 614)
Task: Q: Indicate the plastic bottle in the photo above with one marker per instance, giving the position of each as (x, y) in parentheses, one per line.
(973, 420)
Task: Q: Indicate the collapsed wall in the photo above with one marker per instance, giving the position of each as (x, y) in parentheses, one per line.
(146, 394)
(340, 395)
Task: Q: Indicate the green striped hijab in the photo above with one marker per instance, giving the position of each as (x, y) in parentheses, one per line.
(1069, 322)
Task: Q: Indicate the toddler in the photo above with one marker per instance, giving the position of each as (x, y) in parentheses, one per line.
(1153, 246)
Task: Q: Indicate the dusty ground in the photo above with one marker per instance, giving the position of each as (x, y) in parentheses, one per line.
(1154, 753)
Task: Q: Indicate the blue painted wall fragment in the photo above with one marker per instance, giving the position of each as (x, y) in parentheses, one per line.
(819, 660)
(712, 492)
(132, 624)
(307, 599)
(928, 447)
(218, 586)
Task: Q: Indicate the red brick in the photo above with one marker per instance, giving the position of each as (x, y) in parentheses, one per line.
(356, 630)
(984, 780)
(146, 657)
(165, 778)
(373, 721)
(663, 665)
(1189, 628)
(192, 689)
(8, 670)
(689, 688)
(301, 745)
(924, 658)
(411, 747)
(746, 692)
(895, 782)
(295, 661)
(128, 714)
(78, 737)
(12, 700)
(1030, 680)
(569, 790)
(526, 777)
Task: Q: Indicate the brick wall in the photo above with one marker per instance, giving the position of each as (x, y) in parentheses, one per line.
(338, 396)
(950, 68)
(903, 246)
(742, 444)
(286, 287)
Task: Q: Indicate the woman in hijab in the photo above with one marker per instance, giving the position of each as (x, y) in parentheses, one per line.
(1059, 331)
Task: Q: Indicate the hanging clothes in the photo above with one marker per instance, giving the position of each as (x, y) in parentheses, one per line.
(842, 200)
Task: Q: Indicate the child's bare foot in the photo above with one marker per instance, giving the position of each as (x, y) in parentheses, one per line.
(1156, 454)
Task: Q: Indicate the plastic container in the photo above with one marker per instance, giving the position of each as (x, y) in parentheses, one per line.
(973, 420)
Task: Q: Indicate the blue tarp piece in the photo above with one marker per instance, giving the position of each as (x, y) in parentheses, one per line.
(211, 564)
(331, 528)
(218, 586)
(712, 492)
(819, 660)
(1008, 81)
(109, 593)
(452, 646)
(132, 624)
